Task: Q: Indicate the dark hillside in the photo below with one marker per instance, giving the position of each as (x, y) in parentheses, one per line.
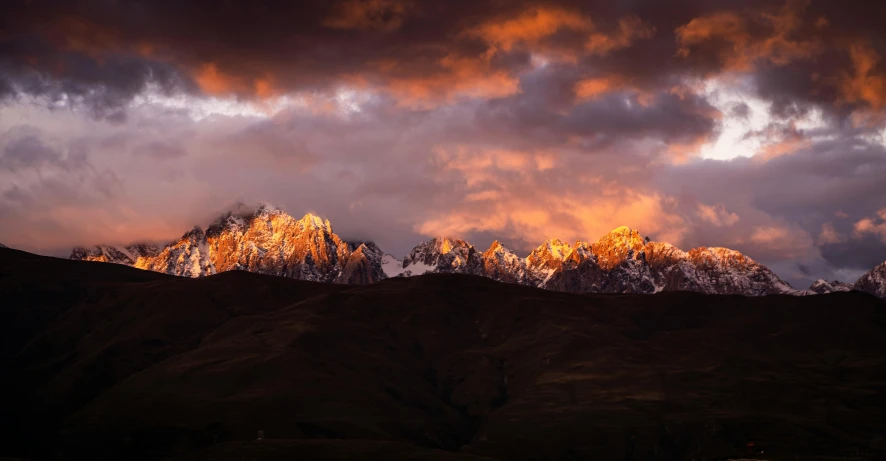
(122, 363)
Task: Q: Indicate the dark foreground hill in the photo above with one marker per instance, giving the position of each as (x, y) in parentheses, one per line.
(104, 361)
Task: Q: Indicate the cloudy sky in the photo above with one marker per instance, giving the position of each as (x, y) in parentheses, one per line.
(755, 125)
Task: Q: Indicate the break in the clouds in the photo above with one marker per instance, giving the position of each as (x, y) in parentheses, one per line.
(754, 125)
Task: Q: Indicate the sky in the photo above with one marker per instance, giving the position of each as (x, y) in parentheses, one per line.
(754, 125)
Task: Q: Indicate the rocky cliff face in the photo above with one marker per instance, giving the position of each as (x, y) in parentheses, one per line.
(618, 246)
(545, 261)
(266, 240)
(725, 271)
(363, 265)
(874, 282)
(187, 257)
(502, 264)
(269, 241)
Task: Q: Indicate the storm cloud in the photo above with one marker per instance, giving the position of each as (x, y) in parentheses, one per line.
(757, 125)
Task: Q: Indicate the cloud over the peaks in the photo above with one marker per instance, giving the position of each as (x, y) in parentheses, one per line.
(753, 125)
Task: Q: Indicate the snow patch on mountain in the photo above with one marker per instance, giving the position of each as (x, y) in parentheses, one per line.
(392, 266)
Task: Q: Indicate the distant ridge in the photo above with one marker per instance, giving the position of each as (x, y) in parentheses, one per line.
(267, 240)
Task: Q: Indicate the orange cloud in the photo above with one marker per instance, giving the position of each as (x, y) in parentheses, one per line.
(630, 29)
(864, 85)
(530, 27)
(566, 216)
(745, 47)
(383, 15)
(681, 152)
(482, 166)
(719, 25)
(263, 88)
(782, 240)
(875, 225)
(459, 76)
(594, 87)
(213, 81)
(829, 234)
(498, 203)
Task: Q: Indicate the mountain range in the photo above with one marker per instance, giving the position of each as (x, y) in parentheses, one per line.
(267, 240)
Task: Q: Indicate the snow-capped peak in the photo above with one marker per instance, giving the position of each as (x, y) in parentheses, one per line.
(499, 252)
(313, 222)
(722, 255)
(624, 236)
(620, 244)
(558, 249)
(874, 282)
(552, 248)
(266, 209)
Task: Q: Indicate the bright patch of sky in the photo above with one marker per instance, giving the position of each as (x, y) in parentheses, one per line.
(350, 101)
(344, 101)
(728, 97)
(202, 107)
(732, 142)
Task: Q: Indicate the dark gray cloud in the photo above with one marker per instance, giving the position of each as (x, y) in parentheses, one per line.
(103, 53)
(488, 120)
(835, 181)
